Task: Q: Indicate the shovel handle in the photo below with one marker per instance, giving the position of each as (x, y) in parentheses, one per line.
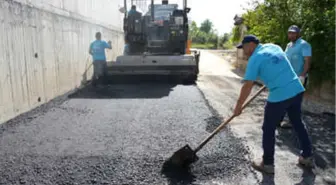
(227, 121)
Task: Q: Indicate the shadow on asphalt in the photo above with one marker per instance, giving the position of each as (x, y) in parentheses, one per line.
(321, 128)
(308, 178)
(213, 122)
(128, 87)
(176, 175)
(209, 167)
(147, 91)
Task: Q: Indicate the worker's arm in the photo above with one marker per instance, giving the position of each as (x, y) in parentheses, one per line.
(108, 44)
(244, 93)
(306, 66)
(251, 75)
(306, 53)
(90, 49)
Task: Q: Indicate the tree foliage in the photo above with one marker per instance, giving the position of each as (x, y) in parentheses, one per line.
(206, 26)
(316, 18)
(207, 35)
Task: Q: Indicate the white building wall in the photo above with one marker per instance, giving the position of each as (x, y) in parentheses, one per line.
(44, 48)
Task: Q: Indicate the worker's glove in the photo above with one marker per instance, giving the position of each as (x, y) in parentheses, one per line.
(302, 79)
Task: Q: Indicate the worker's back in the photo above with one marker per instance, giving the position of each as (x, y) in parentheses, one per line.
(134, 22)
(270, 63)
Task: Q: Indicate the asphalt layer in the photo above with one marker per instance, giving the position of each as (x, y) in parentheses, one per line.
(120, 134)
(125, 132)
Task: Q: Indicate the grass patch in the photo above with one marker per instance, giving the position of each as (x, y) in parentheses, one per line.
(203, 46)
(211, 46)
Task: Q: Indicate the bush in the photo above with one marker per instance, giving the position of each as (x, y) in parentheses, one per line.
(271, 19)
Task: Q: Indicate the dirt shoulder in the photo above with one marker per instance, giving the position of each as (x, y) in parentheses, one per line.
(248, 128)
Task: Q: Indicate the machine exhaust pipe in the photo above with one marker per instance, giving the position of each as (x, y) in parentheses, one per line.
(152, 10)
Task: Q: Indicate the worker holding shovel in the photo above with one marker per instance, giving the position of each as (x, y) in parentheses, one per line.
(97, 50)
(270, 64)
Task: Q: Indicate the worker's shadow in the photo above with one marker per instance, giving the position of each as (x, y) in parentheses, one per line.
(318, 125)
(174, 175)
(308, 178)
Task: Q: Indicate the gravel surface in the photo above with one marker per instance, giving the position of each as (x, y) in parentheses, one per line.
(123, 134)
(120, 134)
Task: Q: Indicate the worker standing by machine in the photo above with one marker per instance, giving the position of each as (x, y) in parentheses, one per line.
(97, 50)
(133, 10)
(126, 48)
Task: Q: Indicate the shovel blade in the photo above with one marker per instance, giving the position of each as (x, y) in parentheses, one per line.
(183, 157)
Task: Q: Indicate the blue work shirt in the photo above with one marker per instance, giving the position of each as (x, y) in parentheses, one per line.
(296, 52)
(270, 64)
(132, 12)
(98, 50)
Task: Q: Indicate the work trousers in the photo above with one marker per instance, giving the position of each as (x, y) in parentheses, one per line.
(273, 114)
(304, 85)
(99, 71)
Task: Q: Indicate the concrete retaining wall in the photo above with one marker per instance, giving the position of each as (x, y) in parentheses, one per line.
(241, 60)
(44, 48)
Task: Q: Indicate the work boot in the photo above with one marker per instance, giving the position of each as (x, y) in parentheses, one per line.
(306, 162)
(260, 166)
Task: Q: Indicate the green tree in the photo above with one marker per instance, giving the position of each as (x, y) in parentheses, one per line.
(193, 30)
(206, 26)
(270, 20)
(204, 35)
(225, 38)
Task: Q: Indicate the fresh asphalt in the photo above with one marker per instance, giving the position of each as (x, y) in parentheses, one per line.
(123, 133)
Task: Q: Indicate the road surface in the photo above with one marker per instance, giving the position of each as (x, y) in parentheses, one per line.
(123, 133)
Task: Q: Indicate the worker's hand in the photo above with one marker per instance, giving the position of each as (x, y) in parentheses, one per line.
(238, 110)
(109, 42)
(302, 79)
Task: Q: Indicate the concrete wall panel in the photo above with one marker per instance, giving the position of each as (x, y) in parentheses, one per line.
(44, 48)
(104, 12)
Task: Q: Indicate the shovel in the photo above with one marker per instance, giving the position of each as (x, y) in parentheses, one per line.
(186, 156)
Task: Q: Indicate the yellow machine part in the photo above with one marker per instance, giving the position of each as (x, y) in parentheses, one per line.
(188, 47)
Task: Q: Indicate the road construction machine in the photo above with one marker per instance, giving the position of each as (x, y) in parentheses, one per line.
(157, 43)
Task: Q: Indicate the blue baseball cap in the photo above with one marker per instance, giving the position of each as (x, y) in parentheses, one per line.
(247, 39)
(294, 29)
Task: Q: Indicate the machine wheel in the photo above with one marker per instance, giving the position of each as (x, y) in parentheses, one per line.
(197, 57)
(191, 79)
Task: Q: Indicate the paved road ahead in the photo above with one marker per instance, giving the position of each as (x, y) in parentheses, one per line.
(123, 133)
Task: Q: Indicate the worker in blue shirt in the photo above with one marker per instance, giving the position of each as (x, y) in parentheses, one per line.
(299, 54)
(133, 10)
(270, 64)
(97, 50)
(126, 48)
